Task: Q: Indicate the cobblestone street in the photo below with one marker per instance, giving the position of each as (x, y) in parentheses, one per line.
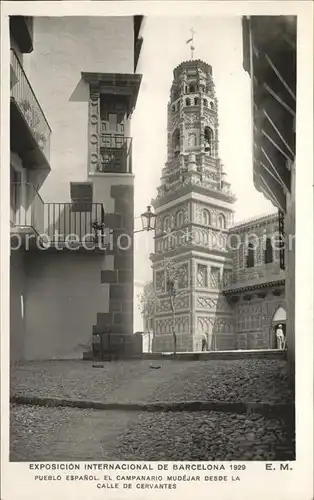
(60, 433)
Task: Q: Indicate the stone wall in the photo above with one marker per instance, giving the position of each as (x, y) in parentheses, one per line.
(119, 318)
(256, 233)
(253, 314)
(290, 271)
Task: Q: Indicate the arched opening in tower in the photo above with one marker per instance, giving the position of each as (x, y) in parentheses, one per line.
(209, 141)
(176, 143)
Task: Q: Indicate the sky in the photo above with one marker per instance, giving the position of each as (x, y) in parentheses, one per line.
(217, 41)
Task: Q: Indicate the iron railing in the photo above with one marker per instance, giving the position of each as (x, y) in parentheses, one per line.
(24, 96)
(27, 207)
(115, 154)
(80, 222)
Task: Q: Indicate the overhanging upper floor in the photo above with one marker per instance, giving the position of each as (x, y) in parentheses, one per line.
(29, 129)
(269, 56)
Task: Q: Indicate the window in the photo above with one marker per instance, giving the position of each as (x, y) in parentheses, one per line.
(250, 256)
(180, 218)
(192, 89)
(173, 107)
(196, 101)
(215, 277)
(205, 103)
(112, 119)
(201, 281)
(166, 224)
(268, 254)
(221, 221)
(81, 196)
(206, 218)
(176, 142)
(211, 105)
(209, 141)
(182, 276)
(188, 102)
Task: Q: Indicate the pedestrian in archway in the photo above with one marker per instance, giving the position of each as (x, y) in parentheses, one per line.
(204, 342)
(280, 338)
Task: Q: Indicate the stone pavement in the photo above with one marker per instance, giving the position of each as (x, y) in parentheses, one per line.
(45, 433)
(134, 381)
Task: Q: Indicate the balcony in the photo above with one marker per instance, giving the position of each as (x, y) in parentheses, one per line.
(27, 210)
(30, 131)
(115, 154)
(79, 224)
(71, 225)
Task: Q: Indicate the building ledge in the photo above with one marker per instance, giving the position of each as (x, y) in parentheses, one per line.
(126, 84)
(107, 175)
(238, 288)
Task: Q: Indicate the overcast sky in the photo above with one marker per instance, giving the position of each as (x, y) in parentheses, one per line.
(218, 41)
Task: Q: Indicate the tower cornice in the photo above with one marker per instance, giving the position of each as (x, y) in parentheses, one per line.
(192, 63)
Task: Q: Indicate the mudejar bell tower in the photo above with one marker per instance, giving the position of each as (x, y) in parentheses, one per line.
(194, 211)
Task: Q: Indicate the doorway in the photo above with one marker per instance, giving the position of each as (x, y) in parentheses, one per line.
(279, 318)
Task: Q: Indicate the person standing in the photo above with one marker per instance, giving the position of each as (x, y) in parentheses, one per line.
(204, 342)
(280, 338)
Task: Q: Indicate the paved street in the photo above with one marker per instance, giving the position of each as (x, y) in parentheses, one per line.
(134, 380)
(83, 434)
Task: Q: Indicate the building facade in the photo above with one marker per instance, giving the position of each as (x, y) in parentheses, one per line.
(270, 62)
(229, 286)
(72, 189)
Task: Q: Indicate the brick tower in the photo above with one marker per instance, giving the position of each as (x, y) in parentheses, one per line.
(194, 211)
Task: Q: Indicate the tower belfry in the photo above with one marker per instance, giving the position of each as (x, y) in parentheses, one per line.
(194, 211)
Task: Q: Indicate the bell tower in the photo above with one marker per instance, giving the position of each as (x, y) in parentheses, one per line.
(194, 212)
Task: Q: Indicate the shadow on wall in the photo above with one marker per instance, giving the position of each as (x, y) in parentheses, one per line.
(81, 92)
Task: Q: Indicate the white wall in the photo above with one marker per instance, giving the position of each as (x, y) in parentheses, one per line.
(63, 48)
(64, 294)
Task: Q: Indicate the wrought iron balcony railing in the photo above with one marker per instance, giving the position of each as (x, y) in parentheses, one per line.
(77, 222)
(27, 208)
(25, 98)
(115, 154)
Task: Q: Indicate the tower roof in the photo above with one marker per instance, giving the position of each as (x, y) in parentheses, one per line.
(192, 63)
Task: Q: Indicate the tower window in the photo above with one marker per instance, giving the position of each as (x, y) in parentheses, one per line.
(166, 224)
(209, 141)
(188, 102)
(202, 279)
(206, 218)
(205, 103)
(180, 218)
(250, 256)
(176, 142)
(211, 105)
(173, 107)
(221, 221)
(268, 254)
(215, 277)
(192, 89)
(196, 100)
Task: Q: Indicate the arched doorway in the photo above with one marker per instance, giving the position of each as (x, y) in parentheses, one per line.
(279, 318)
